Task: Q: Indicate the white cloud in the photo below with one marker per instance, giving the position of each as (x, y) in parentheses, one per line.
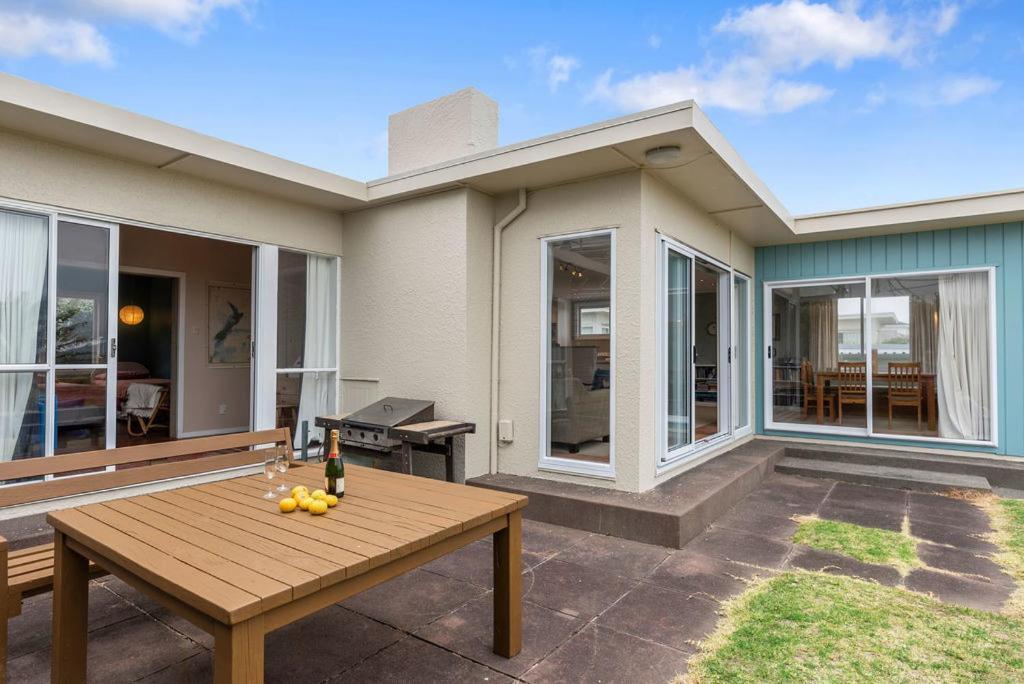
(962, 88)
(23, 34)
(777, 40)
(654, 40)
(70, 30)
(556, 68)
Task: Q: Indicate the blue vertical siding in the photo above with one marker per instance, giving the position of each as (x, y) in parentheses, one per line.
(1000, 245)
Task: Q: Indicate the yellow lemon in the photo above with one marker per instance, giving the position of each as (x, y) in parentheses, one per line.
(332, 500)
(305, 501)
(318, 507)
(319, 494)
(299, 488)
(287, 505)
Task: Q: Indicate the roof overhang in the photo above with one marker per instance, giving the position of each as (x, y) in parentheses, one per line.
(54, 115)
(948, 212)
(710, 173)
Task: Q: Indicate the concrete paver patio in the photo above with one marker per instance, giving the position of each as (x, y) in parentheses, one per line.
(595, 608)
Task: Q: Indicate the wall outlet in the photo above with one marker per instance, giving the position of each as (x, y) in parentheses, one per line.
(506, 431)
(222, 409)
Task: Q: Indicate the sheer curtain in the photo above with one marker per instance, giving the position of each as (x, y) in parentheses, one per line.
(923, 332)
(318, 389)
(823, 333)
(23, 244)
(963, 350)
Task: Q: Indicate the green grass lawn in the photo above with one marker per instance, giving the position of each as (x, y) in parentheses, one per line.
(1008, 520)
(813, 627)
(867, 544)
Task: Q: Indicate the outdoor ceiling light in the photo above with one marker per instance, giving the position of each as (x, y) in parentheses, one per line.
(666, 155)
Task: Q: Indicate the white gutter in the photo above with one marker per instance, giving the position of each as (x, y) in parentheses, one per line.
(499, 228)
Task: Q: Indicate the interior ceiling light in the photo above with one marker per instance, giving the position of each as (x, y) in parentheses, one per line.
(666, 155)
(130, 314)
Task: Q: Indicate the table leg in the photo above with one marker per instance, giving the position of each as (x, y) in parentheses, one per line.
(70, 612)
(449, 459)
(819, 395)
(508, 587)
(933, 416)
(238, 652)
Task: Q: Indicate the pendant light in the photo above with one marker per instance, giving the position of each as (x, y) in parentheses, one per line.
(131, 314)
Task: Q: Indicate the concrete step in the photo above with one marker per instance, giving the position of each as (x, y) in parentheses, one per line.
(881, 475)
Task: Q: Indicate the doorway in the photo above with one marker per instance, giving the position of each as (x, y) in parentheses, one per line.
(695, 339)
(149, 348)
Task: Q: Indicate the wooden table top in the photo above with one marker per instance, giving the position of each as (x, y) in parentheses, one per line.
(230, 554)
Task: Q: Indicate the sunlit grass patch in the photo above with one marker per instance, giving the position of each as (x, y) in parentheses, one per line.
(1008, 521)
(866, 544)
(813, 627)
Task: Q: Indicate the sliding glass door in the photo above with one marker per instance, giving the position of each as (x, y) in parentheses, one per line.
(695, 332)
(58, 294)
(740, 354)
(901, 355)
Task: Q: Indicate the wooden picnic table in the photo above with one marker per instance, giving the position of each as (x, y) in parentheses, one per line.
(879, 379)
(227, 560)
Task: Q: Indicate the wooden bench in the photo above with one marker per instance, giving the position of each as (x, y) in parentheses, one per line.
(27, 572)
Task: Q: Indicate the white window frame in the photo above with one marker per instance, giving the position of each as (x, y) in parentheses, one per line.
(265, 363)
(868, 431)
(546, 461)
(690, 454)
(742, 394)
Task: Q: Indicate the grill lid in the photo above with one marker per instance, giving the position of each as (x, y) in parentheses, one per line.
(392, 412)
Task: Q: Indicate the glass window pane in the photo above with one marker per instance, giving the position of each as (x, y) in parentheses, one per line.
(678, 350)
(741, 362)
(24, 244)
(82, 286)
(81, 408)
(709, 359)
(818, 351)
(301, 397)
(579, 372)
(930, 347)
(22, 415)
(307, 310)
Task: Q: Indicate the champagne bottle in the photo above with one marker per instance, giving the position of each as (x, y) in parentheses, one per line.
(334, 470)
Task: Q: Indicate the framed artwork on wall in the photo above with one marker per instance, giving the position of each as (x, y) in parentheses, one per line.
(229, 326)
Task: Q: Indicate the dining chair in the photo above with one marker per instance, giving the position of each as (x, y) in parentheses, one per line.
(853, 384)
(810, 395)
(905, 388)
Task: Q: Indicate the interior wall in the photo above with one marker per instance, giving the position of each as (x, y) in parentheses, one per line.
(152, 341)
(207, 388)
(608, 202)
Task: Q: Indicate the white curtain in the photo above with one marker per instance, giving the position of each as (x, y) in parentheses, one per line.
(318, 389)
(823, 333)
(963, 350)
(924, 323)
(23, 245)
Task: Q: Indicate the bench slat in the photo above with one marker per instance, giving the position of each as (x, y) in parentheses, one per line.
(53, 489)
(69, 463)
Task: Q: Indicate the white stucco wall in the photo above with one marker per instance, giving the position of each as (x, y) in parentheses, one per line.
(411, 319)
(42, 172)
(664, 210)
(456, 125)
(610, 202)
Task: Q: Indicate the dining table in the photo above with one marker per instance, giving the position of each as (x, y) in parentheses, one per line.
(879, 380)
(227, 559)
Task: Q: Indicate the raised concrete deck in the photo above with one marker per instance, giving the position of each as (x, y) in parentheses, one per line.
(671, 514)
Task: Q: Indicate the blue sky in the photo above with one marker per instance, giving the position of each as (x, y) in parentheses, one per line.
(835, 105)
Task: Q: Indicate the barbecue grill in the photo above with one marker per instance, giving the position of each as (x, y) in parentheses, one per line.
(397, 425)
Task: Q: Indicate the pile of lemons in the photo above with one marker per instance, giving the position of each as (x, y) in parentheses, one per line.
(316, 503)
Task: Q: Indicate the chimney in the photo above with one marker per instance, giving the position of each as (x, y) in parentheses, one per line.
(456, 125)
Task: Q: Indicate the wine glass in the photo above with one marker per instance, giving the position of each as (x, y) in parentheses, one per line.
(270, 470)
(281, 467)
